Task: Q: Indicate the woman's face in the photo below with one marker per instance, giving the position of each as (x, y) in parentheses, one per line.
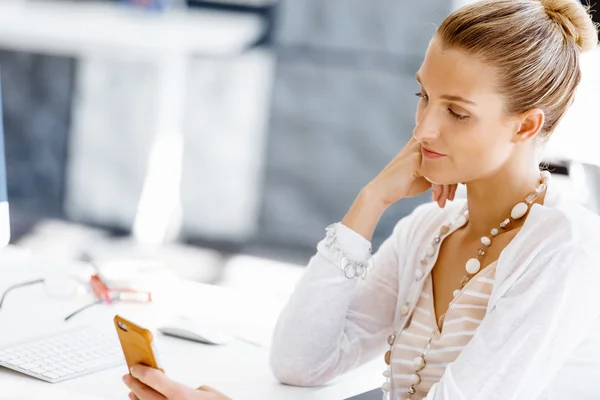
(461, 117)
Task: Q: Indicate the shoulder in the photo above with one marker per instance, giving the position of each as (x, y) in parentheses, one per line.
(557, 249)
(565, 226)
(552, 238)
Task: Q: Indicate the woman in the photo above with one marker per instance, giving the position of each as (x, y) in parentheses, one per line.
(494, 297)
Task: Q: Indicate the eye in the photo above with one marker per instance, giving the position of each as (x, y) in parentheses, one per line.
(422, 95)
(458, 116)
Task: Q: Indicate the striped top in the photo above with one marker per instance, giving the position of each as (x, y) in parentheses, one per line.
(460, 322)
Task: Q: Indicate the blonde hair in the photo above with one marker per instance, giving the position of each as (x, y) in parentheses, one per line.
(534, 46)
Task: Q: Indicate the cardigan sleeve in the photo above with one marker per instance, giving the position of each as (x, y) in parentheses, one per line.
(332, 324)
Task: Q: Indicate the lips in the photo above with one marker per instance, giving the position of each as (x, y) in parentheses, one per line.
(430, 153)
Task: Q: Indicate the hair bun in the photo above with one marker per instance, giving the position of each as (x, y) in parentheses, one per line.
(574, 19)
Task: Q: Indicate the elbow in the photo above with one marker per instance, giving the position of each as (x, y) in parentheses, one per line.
(291, 368)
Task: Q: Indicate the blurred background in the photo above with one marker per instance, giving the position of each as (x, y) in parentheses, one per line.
(221, 137)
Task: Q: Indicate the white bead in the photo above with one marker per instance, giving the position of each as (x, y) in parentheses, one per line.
(494, 232)
(473, 266)
(386, 373)
(419, 273)
(405, 309)
(430, 251)
(385, 387)
(519, 210)
(545, 176)
(456, 293)
(391, 339)
(415, 379)
(418, 363)
(486, 241)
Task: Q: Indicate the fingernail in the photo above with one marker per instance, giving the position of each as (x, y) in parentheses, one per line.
(132, 396)
(133, 371)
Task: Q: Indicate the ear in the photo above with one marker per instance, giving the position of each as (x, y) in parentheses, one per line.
(529, 125)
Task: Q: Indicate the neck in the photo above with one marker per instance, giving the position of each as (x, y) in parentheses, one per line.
(491, 199)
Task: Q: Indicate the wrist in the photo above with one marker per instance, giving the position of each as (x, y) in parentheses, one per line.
(364, 214)
(371, 198)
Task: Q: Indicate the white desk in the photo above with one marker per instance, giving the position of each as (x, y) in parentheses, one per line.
(239, 369)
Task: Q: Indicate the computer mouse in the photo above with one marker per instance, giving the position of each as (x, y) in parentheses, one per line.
(195, 330)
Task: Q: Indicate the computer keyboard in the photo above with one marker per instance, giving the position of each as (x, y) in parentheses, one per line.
(65, 355)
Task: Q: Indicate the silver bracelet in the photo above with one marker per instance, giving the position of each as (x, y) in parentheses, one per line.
(351, 268)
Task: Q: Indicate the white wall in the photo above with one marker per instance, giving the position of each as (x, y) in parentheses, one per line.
(578, 135)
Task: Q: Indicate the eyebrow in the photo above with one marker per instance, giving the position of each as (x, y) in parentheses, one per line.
(450, 97)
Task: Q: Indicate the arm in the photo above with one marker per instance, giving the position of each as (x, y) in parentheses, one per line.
(522, 343)
(332, 324)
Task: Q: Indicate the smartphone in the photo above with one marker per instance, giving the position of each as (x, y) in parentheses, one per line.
(137, 344)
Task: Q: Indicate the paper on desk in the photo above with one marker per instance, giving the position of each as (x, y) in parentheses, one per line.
(21, 390)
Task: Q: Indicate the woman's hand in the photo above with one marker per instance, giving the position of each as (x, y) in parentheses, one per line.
(151, 384)
(401, 178)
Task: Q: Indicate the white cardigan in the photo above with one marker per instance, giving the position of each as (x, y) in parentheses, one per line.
(540, 338)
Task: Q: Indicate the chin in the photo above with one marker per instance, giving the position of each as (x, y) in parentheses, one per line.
(434, 174)
(440, 176)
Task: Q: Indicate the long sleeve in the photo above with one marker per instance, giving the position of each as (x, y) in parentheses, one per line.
(530, 333)
(332, 324)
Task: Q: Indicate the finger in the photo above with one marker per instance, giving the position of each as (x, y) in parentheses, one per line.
(208, 389)
(437, 191)
(132, 396)
(156, 380)
(453, 191)
(444, 196)
(140, 390)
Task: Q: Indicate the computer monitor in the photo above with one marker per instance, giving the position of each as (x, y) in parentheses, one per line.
(4, 214)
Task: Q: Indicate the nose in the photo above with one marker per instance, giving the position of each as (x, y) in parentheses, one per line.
(426, 128)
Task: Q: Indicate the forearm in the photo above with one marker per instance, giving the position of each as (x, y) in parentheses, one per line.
(307, 344)
(365, 213)
(332, 324)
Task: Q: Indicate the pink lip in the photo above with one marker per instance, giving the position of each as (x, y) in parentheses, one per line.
(431, 154)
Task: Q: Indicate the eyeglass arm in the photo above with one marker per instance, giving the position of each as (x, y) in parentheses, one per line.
(115, 298)
(18, 285)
